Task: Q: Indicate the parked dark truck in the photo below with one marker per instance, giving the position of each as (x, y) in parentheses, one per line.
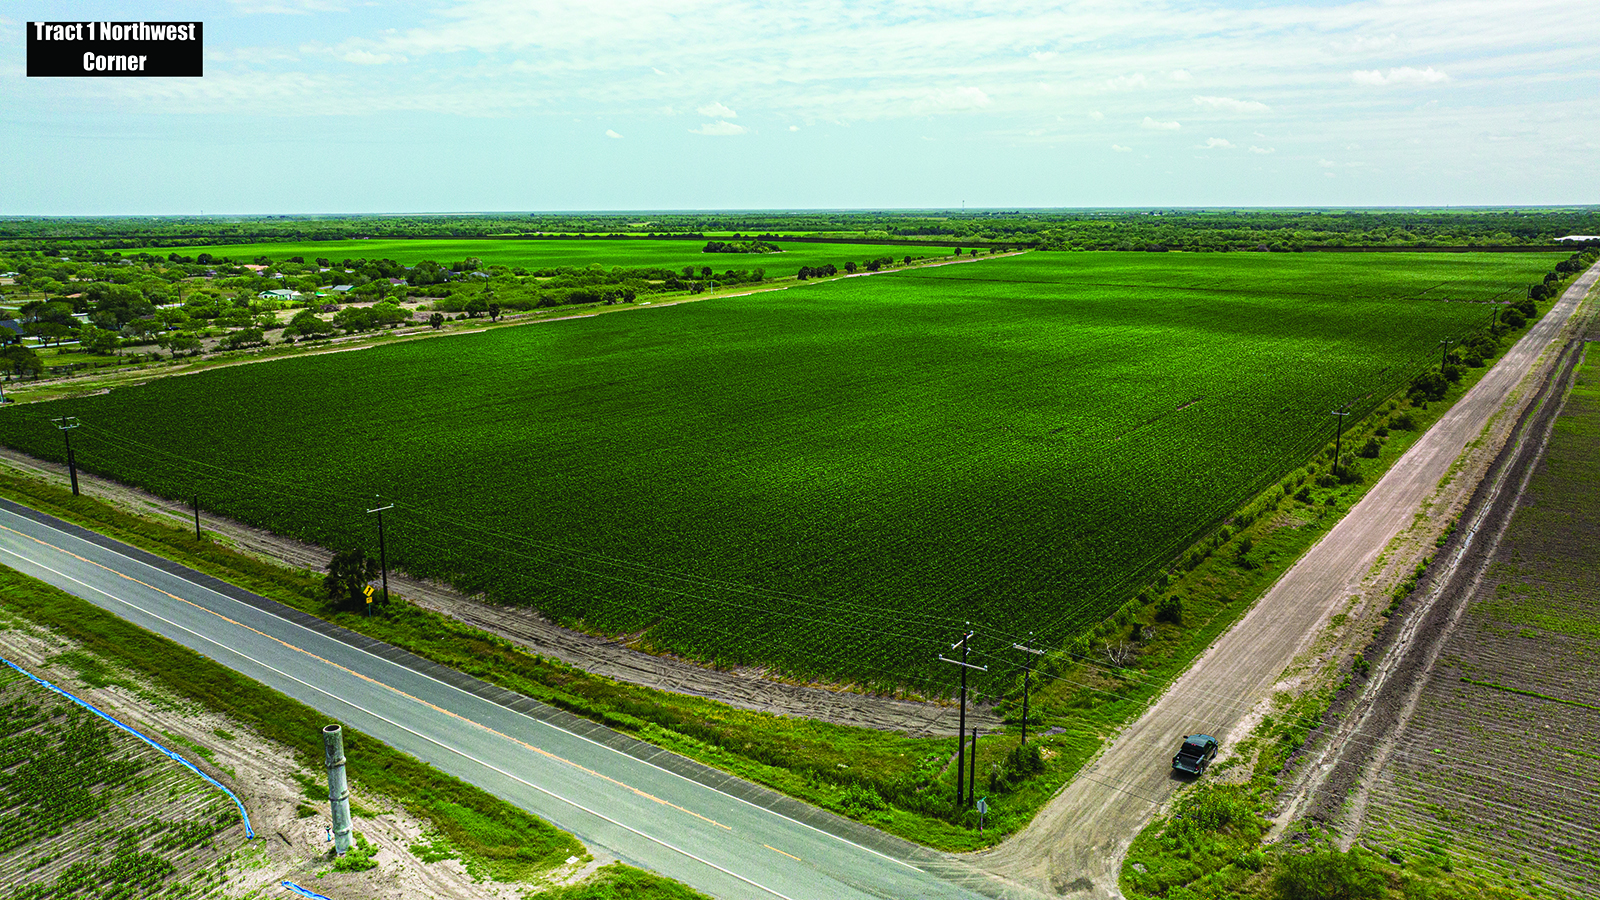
(1197, 752)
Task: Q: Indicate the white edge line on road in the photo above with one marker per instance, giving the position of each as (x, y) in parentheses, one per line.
(459, 690)
(382, 718)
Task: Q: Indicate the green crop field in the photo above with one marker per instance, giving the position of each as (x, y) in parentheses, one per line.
(830, 478)
(543, 253)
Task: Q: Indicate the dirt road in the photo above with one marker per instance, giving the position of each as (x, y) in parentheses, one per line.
(1076, 844)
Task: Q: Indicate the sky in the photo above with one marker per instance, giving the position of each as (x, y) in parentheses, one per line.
(326, 106)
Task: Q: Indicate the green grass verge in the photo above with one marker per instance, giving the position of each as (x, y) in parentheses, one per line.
(620, 882)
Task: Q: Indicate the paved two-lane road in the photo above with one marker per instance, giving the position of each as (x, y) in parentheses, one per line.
(718, 834)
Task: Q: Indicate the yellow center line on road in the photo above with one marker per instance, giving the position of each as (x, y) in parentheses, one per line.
(542, 752)
(776, 850)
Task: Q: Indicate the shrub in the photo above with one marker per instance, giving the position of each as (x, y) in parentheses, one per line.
(1370, 449)
(860, 799)
(1023, 762)
(1170, 609)
(1429, 386)
(1403, 422)
(1327, 875)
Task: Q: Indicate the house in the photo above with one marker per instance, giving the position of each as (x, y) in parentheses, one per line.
(279, 294)
(342, 288)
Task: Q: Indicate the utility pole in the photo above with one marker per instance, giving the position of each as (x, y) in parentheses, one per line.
(1444, 358)
(972, 770)
(66, 424)
(197, 517)
(1338, 434)
(383, 560)
(1026, 672)
(961, 727)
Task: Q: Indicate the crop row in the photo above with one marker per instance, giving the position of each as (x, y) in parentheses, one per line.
(830, 479)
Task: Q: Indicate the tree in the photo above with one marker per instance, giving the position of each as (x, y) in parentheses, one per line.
(98, 341)
(436, 320)
(354, 318)
(348, 574)
(476, 307)
(179, 342)
(850, 267)
(244, 337)
(17, 360)
(705, 271)
(494, 312)
(307, 322)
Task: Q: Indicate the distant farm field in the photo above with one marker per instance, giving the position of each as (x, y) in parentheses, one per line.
(830, 478)
(542, 253)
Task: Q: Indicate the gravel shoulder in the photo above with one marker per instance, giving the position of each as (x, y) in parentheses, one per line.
(1075, 846)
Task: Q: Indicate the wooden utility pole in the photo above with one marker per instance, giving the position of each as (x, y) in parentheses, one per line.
(1338, 435)
(383, 559)
(66, 424)
(961, 727)
(1026, 672)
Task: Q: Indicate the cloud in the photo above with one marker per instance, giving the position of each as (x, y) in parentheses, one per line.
(950, 100)
(1402, 75)
(613, 134)
(1042, 55)
(368, 58)
(718, 111)
(1228, 104)
(1096, 115)
(1217, 144)
(1126, 82)
(1181, 75)
(1263, 150)
(1363, 44)
(1159, 126)
(291, 7)
(718, 129)
(1327, 163)
(794, 127)
(1121, 149)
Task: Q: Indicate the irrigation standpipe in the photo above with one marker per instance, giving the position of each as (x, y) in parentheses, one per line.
(338, 787)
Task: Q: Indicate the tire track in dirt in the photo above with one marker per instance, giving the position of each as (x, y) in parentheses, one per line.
(1337, 790)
